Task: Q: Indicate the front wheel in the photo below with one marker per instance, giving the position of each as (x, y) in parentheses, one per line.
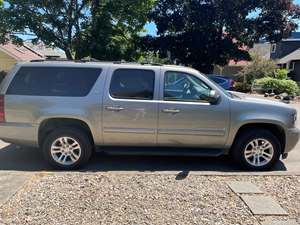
(67, 148)
(256, 149)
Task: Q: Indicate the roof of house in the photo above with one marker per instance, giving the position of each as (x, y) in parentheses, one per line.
(295, 55)
(238, 63)
(44, 51)
(20, 53)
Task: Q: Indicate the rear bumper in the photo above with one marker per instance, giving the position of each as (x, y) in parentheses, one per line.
(19, 133)
(292, 138)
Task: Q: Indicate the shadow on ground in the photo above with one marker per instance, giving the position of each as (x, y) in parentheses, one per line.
(15, 158)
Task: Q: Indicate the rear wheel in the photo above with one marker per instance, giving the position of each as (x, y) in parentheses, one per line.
(67, 148)
(256, 149)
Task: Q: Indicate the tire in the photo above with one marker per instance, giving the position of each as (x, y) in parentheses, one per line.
(244, 150)
(72, 157)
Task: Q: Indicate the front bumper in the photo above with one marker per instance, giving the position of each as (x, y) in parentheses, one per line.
(292, 138)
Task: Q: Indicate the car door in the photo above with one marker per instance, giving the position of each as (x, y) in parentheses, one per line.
(186, 117)
(130, 111)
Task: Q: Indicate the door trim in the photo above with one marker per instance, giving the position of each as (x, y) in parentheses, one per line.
(202, 132)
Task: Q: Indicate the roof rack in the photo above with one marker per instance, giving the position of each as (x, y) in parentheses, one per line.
(84, 60)
(64, 60)
(141, 63)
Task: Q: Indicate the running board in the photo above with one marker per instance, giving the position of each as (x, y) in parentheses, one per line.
(161, 151)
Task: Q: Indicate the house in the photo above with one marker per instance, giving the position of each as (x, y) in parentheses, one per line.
(10, 54)
(285, 53)
(44, 51)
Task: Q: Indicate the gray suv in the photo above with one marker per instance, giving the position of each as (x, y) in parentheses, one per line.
(68, 109)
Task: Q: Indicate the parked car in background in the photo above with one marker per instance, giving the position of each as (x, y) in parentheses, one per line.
(225, 82)
(69, 109)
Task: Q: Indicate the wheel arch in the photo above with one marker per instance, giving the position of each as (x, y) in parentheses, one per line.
(277, 130)
(48, 125)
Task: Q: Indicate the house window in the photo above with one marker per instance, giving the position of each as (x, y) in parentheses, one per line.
(273, 48)
(292, 66)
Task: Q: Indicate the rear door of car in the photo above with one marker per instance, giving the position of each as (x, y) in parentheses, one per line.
(130, 106)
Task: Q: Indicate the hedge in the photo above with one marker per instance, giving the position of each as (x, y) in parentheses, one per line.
(278, 86)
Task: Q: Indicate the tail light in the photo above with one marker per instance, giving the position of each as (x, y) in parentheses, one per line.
(2, 110)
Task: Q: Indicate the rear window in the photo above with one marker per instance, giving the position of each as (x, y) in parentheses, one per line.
(54, 81)
(132, 84)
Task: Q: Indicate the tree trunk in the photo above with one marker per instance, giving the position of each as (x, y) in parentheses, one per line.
(69, 54)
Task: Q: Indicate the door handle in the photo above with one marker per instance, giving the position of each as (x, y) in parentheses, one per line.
(114, 108)
(174, 111)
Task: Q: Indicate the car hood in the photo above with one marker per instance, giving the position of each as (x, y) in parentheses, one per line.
(253, 99)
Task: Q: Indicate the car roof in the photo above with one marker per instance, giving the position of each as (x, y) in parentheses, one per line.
(116, 64)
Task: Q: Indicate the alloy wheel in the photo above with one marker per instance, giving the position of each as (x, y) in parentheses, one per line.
(259, 152)
(66, 151)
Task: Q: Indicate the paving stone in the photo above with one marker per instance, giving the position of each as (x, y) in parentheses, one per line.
(9, 185)
(241, 187)
(262, 205)
(278, 222)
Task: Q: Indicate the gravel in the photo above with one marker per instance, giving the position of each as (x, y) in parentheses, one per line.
(99, 198)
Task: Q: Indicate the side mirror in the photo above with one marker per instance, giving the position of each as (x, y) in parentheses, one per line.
(213, 97)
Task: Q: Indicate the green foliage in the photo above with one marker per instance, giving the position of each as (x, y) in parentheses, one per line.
(279, 86)
(152, 57)
(281, 74)
(206, 33)
(101, 29)
(242, 87)
(258, 68)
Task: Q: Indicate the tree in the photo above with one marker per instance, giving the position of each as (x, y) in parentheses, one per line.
(207, 32)
(81, 28)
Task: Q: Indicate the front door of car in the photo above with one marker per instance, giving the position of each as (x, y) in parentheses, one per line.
(186, 117)
(129, 108)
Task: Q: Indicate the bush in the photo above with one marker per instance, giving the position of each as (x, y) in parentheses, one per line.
(242, 87)
(279, 86)
(281, 74)
(258, 68)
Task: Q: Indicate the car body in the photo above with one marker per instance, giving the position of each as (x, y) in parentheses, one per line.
(225, 82)
(174, 110)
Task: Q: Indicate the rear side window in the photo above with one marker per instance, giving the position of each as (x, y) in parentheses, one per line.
(54, 81)
(132, 84)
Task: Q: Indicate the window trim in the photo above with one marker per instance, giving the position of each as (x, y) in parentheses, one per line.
(202, 102)
(293, 66)
(127, 98)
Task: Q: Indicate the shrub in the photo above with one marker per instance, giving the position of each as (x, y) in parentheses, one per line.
(281, 74)
(279, 86)
(258, 68)
(242, 87)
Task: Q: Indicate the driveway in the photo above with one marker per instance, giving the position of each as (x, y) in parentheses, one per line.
(14, 158)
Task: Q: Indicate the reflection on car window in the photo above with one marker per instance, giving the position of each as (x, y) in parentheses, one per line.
(132, 84)
(184, 87)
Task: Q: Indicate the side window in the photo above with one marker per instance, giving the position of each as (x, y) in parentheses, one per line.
(132, 84)
(54, 81)
(185, 87)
